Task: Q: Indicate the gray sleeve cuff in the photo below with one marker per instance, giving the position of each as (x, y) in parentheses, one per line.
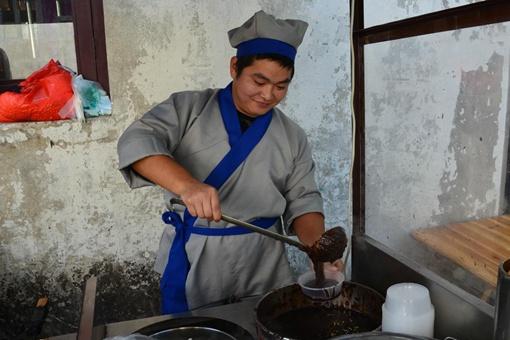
(135, 150)
(311, 203)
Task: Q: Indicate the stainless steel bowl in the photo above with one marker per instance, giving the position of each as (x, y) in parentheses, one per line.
(192, 333)
(379, 336)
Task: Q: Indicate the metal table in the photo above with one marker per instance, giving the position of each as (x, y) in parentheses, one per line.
(241, 313)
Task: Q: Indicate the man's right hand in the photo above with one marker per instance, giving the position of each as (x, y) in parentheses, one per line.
(201, 199)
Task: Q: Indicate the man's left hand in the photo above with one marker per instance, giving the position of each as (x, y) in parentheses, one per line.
(337, 266)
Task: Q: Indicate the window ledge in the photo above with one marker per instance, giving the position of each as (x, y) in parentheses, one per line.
(71, 131)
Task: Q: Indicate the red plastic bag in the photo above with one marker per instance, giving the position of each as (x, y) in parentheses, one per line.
(43, 96)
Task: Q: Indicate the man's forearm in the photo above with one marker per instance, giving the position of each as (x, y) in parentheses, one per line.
(165, 172)
(309, 227)
(201, 199)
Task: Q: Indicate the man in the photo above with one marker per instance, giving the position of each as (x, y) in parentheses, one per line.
(229, 150)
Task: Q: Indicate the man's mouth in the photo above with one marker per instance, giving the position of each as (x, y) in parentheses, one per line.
(262, 103)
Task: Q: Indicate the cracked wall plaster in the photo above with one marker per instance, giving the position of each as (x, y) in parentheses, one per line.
(469, 191)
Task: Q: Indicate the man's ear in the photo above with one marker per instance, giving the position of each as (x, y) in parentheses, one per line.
(233, 69)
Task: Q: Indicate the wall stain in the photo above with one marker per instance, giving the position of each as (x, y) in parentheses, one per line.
(472, 141)
(126, 290)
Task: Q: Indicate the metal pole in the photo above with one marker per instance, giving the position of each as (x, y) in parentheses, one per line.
(502, 311)
(30, 29)
(57, 5)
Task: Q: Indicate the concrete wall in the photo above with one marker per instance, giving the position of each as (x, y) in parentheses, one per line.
(49, 41)
(65, 212)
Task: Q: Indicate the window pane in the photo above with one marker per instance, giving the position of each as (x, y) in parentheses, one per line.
(379, 12)
(437, 151)
(32, 33)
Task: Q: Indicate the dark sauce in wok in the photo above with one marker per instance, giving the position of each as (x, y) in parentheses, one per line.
(320, 323)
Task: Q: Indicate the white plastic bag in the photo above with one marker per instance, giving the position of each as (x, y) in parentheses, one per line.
(92, 98)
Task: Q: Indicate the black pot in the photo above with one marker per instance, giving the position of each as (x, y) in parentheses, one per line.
(287, 313)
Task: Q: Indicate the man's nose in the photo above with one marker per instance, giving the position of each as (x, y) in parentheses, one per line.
(267, 92)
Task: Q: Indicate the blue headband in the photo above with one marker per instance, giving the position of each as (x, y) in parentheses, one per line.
(264, 46)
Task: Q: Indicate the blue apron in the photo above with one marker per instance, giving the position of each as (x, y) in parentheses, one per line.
(173, 281)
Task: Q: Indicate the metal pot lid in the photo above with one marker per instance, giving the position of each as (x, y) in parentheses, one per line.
(192, 333)
(199, 324)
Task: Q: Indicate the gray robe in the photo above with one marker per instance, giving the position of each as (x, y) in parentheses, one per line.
(277, 179)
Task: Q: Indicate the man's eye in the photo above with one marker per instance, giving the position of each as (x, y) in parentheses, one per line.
(260, 83)
(281, 88)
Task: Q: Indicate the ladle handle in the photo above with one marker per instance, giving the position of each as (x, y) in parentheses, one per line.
(252, 227)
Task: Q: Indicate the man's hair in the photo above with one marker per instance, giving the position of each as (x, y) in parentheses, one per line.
(243, 62)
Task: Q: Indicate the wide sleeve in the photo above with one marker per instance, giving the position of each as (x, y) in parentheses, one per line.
(301, 194)
(157, 132)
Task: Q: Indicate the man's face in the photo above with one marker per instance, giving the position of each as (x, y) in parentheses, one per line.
(260, 87)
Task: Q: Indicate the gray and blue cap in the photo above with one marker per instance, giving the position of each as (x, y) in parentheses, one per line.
(264, 34)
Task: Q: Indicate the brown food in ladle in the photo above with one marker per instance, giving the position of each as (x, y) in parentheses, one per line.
(329, 248)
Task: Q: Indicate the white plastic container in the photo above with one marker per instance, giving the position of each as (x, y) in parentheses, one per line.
(408, 310)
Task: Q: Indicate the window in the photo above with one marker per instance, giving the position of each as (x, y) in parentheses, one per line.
(34, 31)
(380, 12)
(432, 101)
(35, 11)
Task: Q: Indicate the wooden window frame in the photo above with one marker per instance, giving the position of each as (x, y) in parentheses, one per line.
(476, 14)
(90, 43)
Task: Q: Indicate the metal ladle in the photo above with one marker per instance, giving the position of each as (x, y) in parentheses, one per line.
(328, 248)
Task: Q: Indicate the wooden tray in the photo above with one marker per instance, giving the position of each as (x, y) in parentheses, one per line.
(478, 246)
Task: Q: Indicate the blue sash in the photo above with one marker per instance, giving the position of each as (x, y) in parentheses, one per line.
(173, 281)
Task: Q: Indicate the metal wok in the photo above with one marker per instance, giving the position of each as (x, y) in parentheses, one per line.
(286, 313)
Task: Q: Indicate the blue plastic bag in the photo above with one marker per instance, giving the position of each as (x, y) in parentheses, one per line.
(93, 98)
